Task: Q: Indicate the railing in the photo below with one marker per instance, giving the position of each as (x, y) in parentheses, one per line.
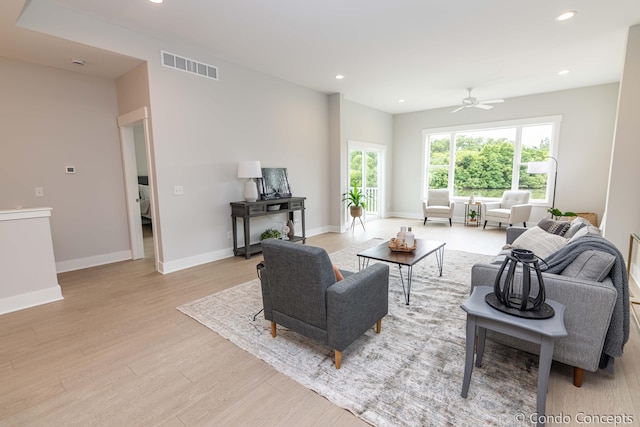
(372, 200)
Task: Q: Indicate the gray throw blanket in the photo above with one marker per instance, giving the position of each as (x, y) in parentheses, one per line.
(618, 332)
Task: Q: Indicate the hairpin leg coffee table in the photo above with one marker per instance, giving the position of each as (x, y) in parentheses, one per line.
(424, 248)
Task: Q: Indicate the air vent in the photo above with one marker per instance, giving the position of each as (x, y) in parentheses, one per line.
(181, 63)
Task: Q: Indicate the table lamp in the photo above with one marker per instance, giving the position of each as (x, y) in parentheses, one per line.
(250, 169)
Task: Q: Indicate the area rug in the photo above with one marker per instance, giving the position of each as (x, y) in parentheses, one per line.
(411, 373)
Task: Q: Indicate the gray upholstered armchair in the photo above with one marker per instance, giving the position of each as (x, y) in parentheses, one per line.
(438, 204)
(514, 208)
(300, 291)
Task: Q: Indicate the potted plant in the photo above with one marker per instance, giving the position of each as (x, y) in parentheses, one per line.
(557, 213)
(270, 233)
(356, 201)
(473, 215)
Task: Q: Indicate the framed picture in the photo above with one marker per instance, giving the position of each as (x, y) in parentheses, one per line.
(274, 184)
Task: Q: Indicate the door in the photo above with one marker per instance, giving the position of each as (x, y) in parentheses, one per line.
(366, 163)
(127, 123)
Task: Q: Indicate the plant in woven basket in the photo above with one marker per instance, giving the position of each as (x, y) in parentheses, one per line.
(473, 215)
(356, 201)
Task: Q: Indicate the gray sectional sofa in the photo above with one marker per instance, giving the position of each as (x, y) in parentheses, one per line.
(587, 274)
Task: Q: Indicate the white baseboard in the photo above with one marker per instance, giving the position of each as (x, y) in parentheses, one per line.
(93, 261)
(31, 299)
(181, 264)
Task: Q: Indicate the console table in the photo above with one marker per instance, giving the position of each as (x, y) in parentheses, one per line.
(248, 210)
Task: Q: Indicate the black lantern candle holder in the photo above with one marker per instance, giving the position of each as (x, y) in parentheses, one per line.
(515, 298)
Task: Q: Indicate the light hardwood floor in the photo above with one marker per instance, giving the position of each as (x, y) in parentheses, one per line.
(116, 351)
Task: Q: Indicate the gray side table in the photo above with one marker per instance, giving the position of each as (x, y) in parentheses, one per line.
(482, 316)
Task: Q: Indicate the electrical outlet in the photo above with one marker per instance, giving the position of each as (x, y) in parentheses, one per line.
(178, 190)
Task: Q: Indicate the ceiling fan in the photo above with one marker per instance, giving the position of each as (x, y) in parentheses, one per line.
(472, 102)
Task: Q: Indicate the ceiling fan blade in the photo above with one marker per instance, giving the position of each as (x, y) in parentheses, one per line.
(458, 109)
(492, 101)
(484, 107)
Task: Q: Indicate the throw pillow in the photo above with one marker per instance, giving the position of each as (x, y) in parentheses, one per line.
(590, 265)
(576, 225)
(554, 227)
(337, 272)
(588, 230)
(539, 241)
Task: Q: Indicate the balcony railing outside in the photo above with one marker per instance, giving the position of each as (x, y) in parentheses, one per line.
(372, 200)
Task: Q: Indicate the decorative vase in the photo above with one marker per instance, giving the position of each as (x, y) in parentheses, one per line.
(515, 297)
(291, 231)
(472, 199)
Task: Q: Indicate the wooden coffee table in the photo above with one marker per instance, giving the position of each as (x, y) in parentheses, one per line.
(424, 248)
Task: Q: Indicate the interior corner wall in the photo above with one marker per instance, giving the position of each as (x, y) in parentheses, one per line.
(623, 202)
(365, 124)
(50, 119)
(586, 138)
(337, 165)
(133, 93)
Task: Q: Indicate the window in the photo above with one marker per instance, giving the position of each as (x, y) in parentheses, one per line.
(439, 154)
(488, 159)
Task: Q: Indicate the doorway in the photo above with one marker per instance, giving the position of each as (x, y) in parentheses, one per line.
(366, 173)
(139, 184)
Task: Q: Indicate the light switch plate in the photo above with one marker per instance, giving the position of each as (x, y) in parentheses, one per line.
(39, 191)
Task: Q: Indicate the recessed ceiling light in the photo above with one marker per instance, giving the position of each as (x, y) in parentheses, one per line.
(339, 77)
(566, 15)
(77, 61)
(400, 100)
(156, 1)
(563, 72)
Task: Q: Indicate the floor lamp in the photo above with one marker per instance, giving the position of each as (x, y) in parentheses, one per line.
(543, 167)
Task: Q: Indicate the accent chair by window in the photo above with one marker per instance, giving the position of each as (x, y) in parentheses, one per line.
(438, 204)
(514, 208)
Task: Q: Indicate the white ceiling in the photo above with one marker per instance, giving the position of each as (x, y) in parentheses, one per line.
(426, 52)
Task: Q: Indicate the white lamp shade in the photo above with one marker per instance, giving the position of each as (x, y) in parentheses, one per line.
(249, 169)
(538, 167)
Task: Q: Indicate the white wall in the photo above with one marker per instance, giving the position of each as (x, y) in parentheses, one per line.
(203, 128)
(50, 119)
(586, 136)
(623, 203)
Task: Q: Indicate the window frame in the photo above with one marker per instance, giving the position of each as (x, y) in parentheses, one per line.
(555, 121)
